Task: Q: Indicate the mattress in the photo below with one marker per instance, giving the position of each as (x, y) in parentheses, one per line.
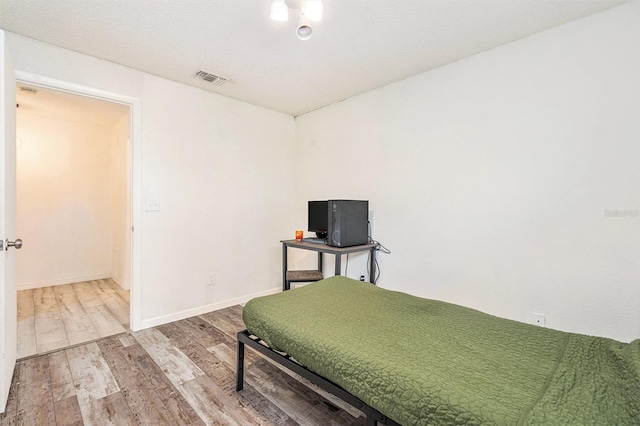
(427, 362)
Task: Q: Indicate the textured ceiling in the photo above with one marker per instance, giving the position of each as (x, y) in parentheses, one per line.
(359, 45)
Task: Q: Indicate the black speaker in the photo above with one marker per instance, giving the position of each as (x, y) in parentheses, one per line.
(348, 223)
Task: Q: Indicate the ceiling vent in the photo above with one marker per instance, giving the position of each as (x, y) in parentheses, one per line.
(28, 90)
(211, 78)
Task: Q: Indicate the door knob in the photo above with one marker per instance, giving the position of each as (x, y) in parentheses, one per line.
(17, 243)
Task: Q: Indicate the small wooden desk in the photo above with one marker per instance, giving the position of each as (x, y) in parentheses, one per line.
(315, 275)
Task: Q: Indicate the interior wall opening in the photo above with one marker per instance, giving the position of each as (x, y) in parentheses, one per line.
(74, 217)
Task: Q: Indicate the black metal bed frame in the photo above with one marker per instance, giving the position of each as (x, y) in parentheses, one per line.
(373, 416)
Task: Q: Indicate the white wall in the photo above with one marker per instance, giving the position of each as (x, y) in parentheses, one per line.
(221, 171)
(120, 185)
(489, 178)
(64, 214)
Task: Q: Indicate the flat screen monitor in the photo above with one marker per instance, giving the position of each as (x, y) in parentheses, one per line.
(318, 218)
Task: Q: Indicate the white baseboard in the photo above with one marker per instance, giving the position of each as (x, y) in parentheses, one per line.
(61, 281)
(119, 282)
(116, 279)
(192, 312)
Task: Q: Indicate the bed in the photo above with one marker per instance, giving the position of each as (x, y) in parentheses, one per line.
(412, 361)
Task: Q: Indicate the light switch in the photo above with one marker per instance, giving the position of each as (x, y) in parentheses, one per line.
(152, 205)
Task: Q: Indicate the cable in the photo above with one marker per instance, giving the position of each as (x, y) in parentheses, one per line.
(379, 247)
(346, 267)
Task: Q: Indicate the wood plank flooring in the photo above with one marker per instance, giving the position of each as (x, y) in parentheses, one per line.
(52, 318)
(179, 373)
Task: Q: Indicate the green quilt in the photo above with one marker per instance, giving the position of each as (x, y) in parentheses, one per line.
(426, 362)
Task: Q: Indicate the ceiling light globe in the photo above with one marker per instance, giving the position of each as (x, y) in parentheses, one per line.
(312, 10)
(279, 11)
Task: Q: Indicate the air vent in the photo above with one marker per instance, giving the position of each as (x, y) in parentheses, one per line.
(28, 90)
(211, 78)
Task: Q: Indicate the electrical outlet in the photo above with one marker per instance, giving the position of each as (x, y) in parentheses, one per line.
(536, 319)
(211, 278)
(361, 277)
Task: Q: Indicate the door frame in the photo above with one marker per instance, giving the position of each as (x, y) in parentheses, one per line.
(135, 169)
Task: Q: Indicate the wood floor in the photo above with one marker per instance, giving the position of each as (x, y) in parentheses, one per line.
(51, 318)
(178, 373)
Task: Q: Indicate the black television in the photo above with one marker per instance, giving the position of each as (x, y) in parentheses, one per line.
(318, 218)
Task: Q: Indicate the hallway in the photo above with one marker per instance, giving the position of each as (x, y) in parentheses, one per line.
(51, 318)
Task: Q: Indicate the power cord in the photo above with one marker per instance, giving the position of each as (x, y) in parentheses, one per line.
(379, 247)
(346, 267)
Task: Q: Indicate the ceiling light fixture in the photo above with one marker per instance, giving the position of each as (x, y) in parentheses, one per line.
(310, 11)
(279, 11)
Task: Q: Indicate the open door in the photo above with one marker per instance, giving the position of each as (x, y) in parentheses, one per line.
(8, 242)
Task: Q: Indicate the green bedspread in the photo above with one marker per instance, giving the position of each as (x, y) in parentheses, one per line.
(426, 362)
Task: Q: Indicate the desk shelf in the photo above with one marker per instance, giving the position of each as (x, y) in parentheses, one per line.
(316, 275)
(304, 276)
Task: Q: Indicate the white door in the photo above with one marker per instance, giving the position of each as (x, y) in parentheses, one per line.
(8, 314)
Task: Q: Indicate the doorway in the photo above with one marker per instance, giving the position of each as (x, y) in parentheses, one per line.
(74, 214)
